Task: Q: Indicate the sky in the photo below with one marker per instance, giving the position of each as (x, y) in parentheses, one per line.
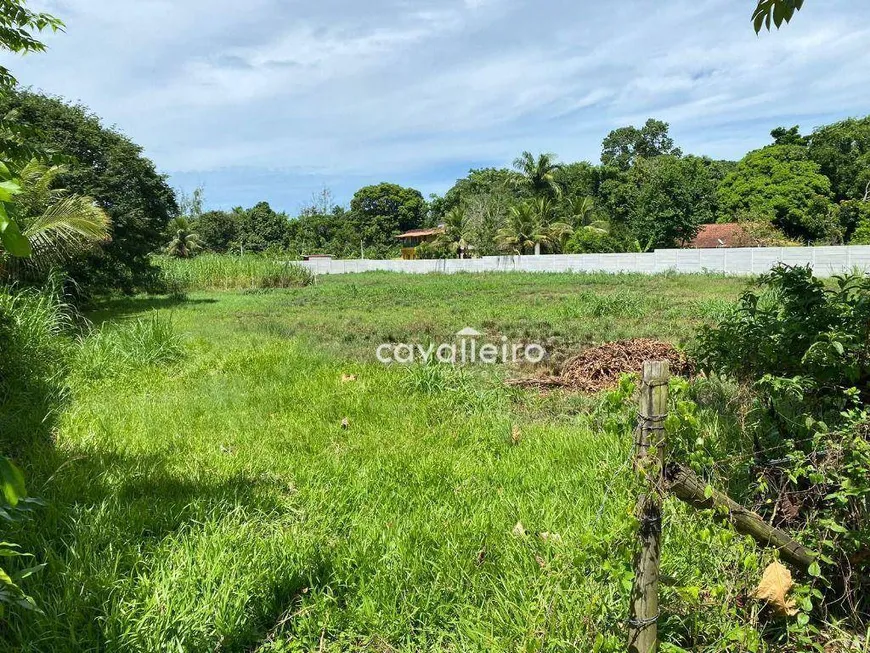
(275, 100)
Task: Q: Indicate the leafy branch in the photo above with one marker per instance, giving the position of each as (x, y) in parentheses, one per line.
(774, 11)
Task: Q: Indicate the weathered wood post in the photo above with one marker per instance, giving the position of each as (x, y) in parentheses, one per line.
(686, 486)
(649, 464)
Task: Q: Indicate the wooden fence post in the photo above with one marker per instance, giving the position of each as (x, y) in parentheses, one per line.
(649, 464)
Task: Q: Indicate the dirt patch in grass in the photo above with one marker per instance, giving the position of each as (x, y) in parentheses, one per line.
(599, 368)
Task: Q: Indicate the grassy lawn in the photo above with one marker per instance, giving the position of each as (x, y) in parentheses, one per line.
(218, 503)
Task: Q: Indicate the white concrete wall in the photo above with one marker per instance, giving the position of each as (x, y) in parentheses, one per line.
(826, 261)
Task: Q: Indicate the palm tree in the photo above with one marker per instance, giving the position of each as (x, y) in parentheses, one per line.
(557, 232)
(184, 242)
(582, 212)
(58, 224)
(457, 232)
(529, 227)
(539, 174)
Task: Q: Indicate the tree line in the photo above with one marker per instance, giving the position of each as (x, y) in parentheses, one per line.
(645, 193)
(642, 194)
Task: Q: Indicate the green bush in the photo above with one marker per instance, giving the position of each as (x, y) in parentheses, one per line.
(803, 348)
(588, 241)
(793, 325)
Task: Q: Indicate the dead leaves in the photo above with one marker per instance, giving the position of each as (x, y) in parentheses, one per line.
(348, 378)
(553, 538)
(774, 587)
(345, 424)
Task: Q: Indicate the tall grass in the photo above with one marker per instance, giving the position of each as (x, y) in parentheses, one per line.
(117, 348)
(34, 355)
(228, 272)
(257, 498)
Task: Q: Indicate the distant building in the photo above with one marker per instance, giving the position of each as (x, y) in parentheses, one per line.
(316, 257)
(720, 235)
(411, 239)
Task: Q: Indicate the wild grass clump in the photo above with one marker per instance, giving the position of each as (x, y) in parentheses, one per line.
(117, 348)
(621, 303)
(34, 325)
(227, 272)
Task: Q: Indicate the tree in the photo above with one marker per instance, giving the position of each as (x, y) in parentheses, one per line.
(260, 228)
(500, 185)
(530, 226)
(777, 11)
(17, 25)
(383, 211)
(539, 174)
(218, 230)
(842, 151)
(58, 225)
(184, 243)
(790, 136)
(523, 231)
(781, 185)
(854, 218)
(458, 233)
(190, 206)
(582, 214)
(105, 165)
(587, 241)
(487, 214)
(662, 201)
(623, 146)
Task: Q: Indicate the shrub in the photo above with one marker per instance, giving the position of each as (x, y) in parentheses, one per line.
(803, 347)
(795, 326)
(589, 241)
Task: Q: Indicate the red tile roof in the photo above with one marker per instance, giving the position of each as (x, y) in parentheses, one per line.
(720, 235)
(419, 233)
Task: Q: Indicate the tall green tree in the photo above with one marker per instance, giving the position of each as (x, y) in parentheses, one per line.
(383, 211)
(662, 201)
(260, 228)
(523, 231)
(218, 230)
(622, 147)
(18, 28)
(779, 184)
(58, 224)
(500, 185)
(531, 227)
(185, 242)
(842, 151)
(18, 25)
(789, 136)
(458, 233)
(107, 166)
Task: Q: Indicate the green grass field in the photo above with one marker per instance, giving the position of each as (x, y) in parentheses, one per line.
(217, 504)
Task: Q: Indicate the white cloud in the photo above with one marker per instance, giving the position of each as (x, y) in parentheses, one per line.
(417, 91)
